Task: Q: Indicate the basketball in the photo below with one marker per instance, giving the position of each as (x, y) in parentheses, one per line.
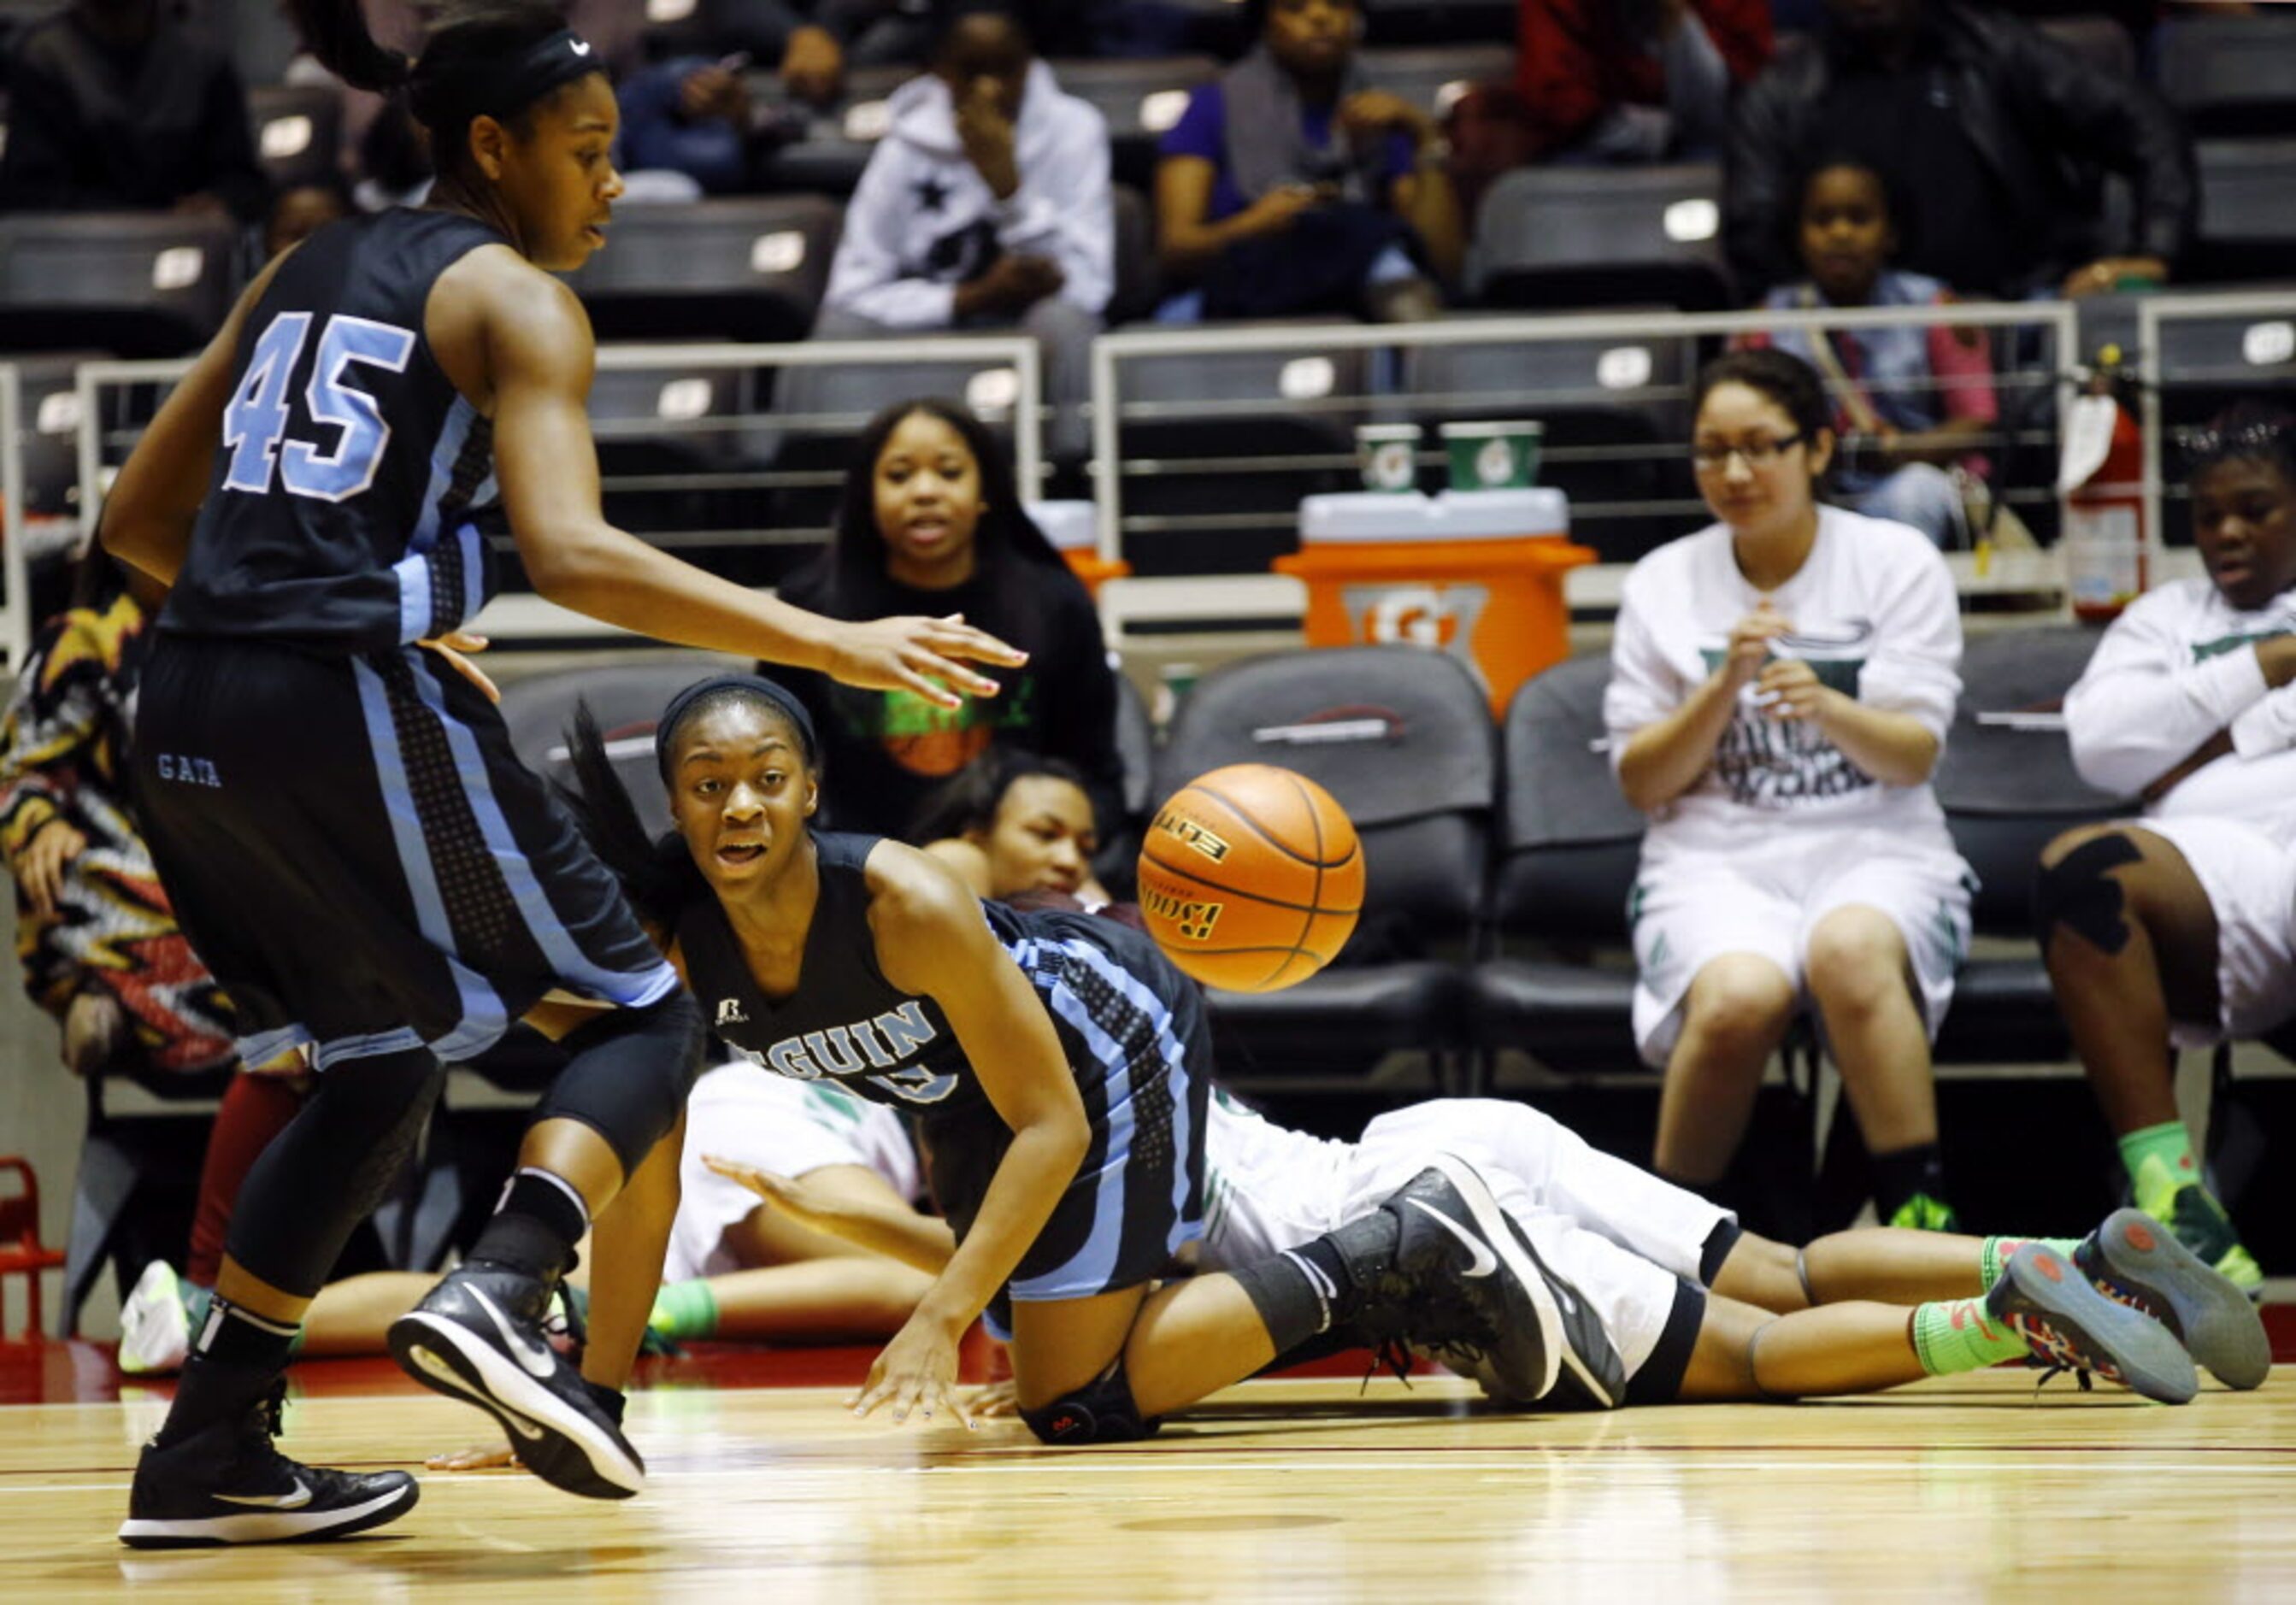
(1251, 878)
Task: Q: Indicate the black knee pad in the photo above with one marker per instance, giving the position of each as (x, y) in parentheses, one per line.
(1100, 1412)
(2080, 893)
(328, 1170)
(629, 1072)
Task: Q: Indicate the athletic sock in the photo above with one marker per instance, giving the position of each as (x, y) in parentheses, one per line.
(685, 1310)
(236, 1358)
(2171, 1145)
(1993, 1256)
(1902, 1174)
(1308, 1289)
(541, 1219)
(1955, 1335)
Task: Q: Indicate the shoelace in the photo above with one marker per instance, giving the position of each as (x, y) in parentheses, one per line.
(2053, 1352)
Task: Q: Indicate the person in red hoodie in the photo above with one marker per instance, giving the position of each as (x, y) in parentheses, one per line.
(1635, 80)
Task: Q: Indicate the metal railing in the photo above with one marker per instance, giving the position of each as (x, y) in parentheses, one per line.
(1004, 385)
(2270, 345)
(1112, 353)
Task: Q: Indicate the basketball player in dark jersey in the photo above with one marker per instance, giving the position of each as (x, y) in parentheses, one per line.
(333, 803)
(1060, 1067)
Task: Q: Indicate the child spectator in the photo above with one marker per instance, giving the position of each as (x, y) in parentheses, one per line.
(1910, 403)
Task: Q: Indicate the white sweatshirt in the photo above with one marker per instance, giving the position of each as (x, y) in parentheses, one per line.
(923, 218)
(1874, 612)
(2170, 672)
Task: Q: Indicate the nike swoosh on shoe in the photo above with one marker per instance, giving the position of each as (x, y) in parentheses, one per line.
(295, 1500)
(1484, 1261)
(538, 1360)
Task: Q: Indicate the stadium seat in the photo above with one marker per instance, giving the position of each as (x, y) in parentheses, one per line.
(662, 435)
(2248, 211)
(2100, 42)
(746, 270)
(1556, 237)
(1219, 448)
(2008, 793)
(1116, 864)
(829, 160)
(1441, 21)
(1402, 739)
(2230, 75)
(538, 711)
(49, 440)
(1568, 847)
(136, 284)
(299, 133)
(1430, 78)
(1140, 98)
(1616, 415)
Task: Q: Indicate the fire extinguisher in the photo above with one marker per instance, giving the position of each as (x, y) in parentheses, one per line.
(2102, 480)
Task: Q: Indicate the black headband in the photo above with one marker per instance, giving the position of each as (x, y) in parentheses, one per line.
(503, 87)
(755, 686)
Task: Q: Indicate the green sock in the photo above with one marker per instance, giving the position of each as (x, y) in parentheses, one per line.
(684, 1310)
(1993, 1257)
(2170, 1149)
(1956, 1335)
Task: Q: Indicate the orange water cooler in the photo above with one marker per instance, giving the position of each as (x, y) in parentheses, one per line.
(1474, 573)
(1073, 530)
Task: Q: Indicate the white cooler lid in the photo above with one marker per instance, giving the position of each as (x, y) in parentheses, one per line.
(1453, 515)
(1068, 525)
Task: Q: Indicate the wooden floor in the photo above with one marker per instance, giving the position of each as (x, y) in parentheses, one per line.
(1967, 1489)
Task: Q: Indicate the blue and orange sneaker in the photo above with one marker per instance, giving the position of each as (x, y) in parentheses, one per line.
(2135, 1259)
(2072, 1326)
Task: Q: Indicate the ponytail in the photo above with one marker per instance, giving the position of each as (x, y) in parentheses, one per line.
(335, 32)
(657, 874)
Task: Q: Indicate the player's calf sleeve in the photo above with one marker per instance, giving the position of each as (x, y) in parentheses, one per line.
(630, 1071)
(331, 1166)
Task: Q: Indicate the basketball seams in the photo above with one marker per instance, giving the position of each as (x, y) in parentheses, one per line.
(1316, 826)
(1245, 819)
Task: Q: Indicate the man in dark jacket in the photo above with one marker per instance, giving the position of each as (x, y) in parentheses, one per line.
(116, 104)
(1988, 133)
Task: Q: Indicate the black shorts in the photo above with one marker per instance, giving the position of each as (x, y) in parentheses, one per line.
(1138, 1044)
(359, 858)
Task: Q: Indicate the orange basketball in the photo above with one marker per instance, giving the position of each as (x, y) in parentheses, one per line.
(1251, 878)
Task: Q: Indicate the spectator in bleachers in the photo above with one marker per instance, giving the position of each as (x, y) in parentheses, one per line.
(1635, 80)
(931, 521)
(118, 105)
(987, 205)
(2179, 930)
(1985, 131)
(1292, 185)
(1780, 685)
(691, 115)
(1911, 405)
(1014, 821)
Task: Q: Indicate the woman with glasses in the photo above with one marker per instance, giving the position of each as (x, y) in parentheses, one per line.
(1781, 685)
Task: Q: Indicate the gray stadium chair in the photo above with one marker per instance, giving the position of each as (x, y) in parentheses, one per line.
(1431, 76)
(136, 284)
(2100, 42)
(1555, 237)
(2248, 211)
(2231, 75)
(1560, 985)
(741, 270)
(1229, 442)
(1420, 785)
(299, 133)
(1616, 415)
(661, 434)
(1140, 98)
(2007, 794)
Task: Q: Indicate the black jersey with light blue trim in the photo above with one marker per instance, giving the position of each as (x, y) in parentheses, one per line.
(342, 512)
(1114, 1000)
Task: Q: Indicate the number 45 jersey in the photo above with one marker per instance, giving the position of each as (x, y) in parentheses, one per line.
(343, 514)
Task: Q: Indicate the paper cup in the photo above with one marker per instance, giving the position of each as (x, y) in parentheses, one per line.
(1498, 455)
(1388, 453)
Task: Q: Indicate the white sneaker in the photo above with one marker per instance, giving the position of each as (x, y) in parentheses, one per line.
(155, 1330)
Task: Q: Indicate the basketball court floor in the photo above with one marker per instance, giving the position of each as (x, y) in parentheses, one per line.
(1307, 1488)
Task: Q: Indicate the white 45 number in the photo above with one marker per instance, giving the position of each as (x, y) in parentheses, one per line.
(255, 424)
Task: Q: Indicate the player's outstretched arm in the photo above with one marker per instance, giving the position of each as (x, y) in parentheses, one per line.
(861, 1216)
(148, 516)
(540, 358)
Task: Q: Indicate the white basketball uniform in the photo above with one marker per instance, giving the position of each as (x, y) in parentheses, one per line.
(777, 1123)
(2171, 671)
(1624, 1239)
(1781, 829)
